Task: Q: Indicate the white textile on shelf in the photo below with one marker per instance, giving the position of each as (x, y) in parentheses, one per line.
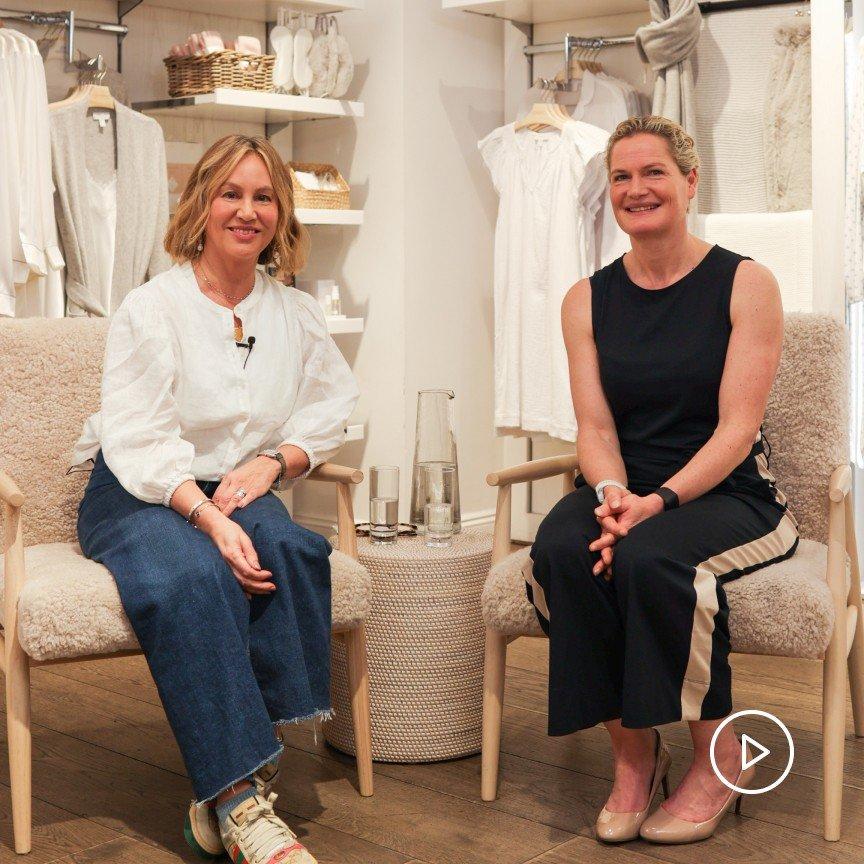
(783, 242)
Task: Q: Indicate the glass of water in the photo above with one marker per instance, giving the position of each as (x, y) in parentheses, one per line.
(438, 482)
(383, 503)
(439, 524)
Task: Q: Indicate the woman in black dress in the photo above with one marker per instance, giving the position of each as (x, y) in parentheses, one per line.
(673, 349)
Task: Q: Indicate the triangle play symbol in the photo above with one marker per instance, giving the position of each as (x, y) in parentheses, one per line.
(755, 747)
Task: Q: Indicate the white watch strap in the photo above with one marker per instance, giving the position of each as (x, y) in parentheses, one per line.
(601, 486)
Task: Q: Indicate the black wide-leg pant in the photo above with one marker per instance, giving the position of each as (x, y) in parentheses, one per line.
(651, 645)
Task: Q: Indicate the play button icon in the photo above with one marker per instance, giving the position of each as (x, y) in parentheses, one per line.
(752, 751)
(748, 746)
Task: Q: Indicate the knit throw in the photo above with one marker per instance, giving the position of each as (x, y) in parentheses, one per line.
(666, 45)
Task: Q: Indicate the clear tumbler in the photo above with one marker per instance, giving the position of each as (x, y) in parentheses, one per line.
(383, 503)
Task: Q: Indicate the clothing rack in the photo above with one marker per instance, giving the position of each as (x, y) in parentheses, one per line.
(571, 44)
(68, 20)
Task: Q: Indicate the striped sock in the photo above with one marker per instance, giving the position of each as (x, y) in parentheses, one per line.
(224, 809)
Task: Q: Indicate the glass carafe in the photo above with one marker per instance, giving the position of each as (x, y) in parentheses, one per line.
(434, 450)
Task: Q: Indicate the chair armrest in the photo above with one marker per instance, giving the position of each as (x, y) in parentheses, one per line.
(9, 491)
(840, 483)
(537, 469)
(328, 472)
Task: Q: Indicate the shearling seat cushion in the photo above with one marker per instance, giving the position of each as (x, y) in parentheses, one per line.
(784, 609)
(69, 605)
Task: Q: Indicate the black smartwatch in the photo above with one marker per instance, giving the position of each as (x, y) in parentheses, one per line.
(670, 498)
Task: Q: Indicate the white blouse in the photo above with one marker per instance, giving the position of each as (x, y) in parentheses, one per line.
(178, 403)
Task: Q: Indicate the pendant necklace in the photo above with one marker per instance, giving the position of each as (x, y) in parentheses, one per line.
(238, 328)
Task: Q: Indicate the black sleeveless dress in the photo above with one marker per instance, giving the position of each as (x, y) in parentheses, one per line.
(651, 645)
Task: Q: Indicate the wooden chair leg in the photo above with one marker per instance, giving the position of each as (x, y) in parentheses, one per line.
(834, 676)
(19, 740)
(358, 686)
(493, 701)
(856, 651)
(833, 735)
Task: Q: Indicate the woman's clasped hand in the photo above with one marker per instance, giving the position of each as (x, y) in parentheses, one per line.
(619, 512)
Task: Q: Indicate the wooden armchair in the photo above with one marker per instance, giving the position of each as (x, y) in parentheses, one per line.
(808, 606)
(59, 607)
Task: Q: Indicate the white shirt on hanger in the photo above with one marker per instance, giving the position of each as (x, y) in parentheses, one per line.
(602, 103)
(28, 208)
(550, 185)
(181, 401)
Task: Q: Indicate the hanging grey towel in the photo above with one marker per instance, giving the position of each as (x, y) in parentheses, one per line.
(666, 45)
(787, 120)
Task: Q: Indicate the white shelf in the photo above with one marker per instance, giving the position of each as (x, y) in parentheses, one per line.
(344, 325)
(251, 106)
(329, 217)
(544, 11)
(356, 432)
(250, 10)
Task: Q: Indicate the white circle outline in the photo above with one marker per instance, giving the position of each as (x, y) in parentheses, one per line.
(779, 780)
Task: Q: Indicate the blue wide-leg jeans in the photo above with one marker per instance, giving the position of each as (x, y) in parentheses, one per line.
(228, 669)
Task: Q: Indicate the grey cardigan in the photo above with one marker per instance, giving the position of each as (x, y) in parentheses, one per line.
(142, 202)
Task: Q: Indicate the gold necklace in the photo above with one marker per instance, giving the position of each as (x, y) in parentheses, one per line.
(215, 290)
(238, 328)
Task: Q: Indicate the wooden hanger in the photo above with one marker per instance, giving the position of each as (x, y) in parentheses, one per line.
(544, 114)
(96, 94)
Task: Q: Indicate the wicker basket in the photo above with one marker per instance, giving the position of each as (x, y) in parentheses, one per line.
(189, 76)
(319, 199)
(424, 639)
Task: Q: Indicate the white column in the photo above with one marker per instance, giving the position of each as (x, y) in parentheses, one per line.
(828, 138)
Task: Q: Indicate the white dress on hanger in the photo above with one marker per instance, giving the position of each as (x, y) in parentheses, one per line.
(550, 185)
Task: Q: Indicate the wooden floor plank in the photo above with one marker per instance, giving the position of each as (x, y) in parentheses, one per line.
(408, 820)
(114, 786)
(56, 832)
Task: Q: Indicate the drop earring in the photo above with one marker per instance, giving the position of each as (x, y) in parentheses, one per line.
(200, 246)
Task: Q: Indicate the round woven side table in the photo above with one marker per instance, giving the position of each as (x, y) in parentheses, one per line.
(425, 640)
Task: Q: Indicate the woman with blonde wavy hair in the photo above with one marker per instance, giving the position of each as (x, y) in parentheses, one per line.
(220, 383)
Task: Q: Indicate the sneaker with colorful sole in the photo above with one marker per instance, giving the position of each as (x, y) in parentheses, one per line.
(201, 829)
(254, 834)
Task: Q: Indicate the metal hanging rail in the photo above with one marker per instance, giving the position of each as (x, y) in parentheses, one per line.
(594, 43)
(68, 20)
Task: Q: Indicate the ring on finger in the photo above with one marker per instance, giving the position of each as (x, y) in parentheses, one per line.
(240, 494)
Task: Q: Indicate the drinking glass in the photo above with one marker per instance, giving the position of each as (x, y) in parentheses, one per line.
(383, 503)
(438, 483)
(439, 524)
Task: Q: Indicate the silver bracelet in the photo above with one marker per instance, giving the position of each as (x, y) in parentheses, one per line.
(193, 513)
(601, 487)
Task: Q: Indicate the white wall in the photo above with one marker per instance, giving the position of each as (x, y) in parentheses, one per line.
(419, 269)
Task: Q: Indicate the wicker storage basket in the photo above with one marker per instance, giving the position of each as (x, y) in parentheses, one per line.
(317, 199)
(189, 76)
(425, 638)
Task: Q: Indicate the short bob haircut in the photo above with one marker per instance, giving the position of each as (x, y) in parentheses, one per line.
(288, 250)
(682, 148)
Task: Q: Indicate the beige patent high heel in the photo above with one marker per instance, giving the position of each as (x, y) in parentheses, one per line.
(620, 827)
(662, 827)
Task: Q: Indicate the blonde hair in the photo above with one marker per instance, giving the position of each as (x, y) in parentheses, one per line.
(288, 249)
(682, 148)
